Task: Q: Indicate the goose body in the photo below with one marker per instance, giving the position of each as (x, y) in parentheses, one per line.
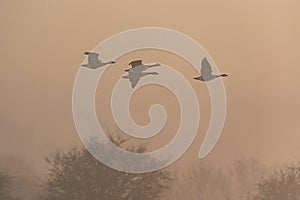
(94, 62)
(206, 72)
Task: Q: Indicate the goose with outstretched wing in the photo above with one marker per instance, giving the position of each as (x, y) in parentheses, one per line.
(206, 72)
(137, 71)
(94, 62)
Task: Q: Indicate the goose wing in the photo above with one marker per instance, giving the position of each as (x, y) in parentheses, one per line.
(135, 63)
(206, 70)
(134, 78)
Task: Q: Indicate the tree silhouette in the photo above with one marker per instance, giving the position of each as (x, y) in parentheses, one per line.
(78, 175)
(207, 181)
(282, 184)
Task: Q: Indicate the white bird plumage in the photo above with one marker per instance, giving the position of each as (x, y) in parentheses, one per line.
(94, 62)
(206, 72)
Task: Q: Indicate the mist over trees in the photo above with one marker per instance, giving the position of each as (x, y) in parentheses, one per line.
(24, 180)
(281, 184)
(201, 183)
(76, 174)
(6, 184)
(206, 181)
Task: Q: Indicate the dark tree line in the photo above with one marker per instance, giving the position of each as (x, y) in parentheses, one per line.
(77, 175)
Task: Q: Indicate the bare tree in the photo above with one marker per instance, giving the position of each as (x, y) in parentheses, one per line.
(283, 184)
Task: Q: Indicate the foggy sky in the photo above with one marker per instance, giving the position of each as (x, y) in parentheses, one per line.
(256, 42)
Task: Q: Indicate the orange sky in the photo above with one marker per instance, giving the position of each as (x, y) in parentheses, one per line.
(256, 42)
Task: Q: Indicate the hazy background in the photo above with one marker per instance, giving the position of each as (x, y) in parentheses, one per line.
(256, 42)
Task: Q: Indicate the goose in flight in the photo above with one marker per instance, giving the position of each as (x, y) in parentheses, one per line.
(94, 62)
(206, 72)
(137, 71)
(139, 64)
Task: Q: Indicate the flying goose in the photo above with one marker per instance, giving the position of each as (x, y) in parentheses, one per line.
(137, 71)
(94, 62)
(206, 72)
